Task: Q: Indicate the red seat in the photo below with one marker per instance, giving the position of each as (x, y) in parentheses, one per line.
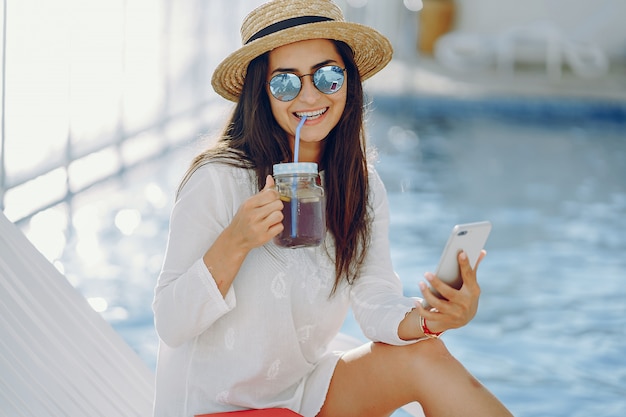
(269, 412)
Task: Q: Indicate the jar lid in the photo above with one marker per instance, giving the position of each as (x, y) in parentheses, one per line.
(295, 168)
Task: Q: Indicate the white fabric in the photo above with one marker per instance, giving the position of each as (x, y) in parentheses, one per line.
(266, 343)
(58, 357)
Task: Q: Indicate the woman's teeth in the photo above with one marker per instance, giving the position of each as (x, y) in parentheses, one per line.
(311, 114)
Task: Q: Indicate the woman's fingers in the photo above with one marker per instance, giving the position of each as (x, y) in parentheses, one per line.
(269, 183)
(459, 306)
(442, 288)
(470, 286)
(260, 217)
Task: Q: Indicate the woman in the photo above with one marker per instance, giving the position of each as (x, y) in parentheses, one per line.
(245, 324)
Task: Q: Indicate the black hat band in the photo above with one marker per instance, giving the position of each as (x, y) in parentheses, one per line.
(286, 24)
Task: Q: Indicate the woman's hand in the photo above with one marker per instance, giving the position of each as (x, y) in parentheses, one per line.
(461, 305)
(258, 219)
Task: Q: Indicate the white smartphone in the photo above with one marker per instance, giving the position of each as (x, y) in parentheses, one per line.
(470, 238)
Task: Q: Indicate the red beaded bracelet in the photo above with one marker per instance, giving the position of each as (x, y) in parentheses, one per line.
(427, 332)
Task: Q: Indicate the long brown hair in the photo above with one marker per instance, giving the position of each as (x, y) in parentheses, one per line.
(252, 139)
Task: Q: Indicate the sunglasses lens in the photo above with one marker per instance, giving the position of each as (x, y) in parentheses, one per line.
(328, 79)
(285, 87)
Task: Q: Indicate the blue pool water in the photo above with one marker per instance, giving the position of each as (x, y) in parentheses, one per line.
(550, 335)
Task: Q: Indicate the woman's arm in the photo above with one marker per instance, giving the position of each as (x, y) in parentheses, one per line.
(380, 307)
(257, 221)
(377, 298)
(206, 246)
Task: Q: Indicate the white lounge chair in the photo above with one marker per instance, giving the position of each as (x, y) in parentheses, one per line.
(60, 358)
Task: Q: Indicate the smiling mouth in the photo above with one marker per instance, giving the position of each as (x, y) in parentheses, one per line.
(311, 115)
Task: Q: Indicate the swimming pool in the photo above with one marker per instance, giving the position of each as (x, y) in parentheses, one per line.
(551, 176)
(550, 333)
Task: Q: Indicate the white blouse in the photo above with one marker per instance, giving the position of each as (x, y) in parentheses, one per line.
(266, 343)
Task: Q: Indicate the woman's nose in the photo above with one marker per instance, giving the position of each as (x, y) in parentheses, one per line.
(309, 93)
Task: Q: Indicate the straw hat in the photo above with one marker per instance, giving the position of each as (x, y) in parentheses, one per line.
(281, 22)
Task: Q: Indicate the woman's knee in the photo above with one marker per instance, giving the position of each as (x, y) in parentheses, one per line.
(418, 355)
(417, 366)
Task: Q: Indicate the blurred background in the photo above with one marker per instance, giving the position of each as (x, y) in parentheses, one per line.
(499, 110)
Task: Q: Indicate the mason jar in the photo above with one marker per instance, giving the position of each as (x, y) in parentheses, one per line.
(303, 204)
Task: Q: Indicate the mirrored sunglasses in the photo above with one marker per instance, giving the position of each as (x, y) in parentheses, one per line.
(287, 86)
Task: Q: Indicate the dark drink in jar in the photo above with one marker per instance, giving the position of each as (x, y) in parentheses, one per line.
(303, 221)
(304, 205)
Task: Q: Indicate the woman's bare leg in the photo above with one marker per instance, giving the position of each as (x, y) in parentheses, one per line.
(377, 379)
